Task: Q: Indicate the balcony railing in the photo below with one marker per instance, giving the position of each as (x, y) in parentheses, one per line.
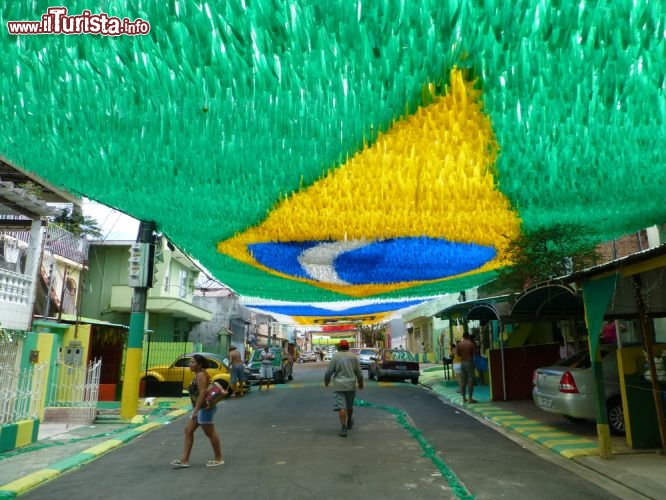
(14, 287)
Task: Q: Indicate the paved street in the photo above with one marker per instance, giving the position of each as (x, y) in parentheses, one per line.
(284, 445)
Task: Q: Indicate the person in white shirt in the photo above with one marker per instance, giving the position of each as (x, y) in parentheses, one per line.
(266, 370)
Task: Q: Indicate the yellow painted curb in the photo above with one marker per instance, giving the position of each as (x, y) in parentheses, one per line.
(148, 426)
(553, 443)
(104, 447)
(556, 434)
(575, 453)
(30, 481)
(508, 418)
(544, 429)
(176, 413)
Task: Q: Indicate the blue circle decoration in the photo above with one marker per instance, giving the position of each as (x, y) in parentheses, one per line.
(282, 257)
(387, 261)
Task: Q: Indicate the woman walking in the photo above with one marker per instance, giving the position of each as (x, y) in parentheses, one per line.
(201, 415)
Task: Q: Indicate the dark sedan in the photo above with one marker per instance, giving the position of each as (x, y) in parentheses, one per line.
(394, 364)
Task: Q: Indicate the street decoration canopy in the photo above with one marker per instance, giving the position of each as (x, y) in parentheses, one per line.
(321, 151)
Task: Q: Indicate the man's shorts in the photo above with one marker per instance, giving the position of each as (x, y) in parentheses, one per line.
(237, 373)
(344, 399)
(467, 372)
(205, 415)
(266, 371)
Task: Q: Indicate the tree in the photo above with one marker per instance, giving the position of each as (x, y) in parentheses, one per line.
(77, 223)
(372, 334)
(545, 254)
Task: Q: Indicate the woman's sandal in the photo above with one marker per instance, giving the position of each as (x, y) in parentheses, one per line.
(214, 463)
(178, 464)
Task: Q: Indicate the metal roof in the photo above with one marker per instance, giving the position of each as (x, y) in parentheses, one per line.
(548, 300)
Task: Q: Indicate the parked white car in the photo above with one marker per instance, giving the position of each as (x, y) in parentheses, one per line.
(567, 388)
(307, 356)
(365, 356)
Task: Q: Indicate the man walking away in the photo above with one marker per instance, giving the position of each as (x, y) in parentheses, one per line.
(466, 350)
(266, 370)
(237, 372)
(345, 371)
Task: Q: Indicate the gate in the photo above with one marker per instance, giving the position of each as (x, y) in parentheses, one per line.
(74, 394)
(21, 392)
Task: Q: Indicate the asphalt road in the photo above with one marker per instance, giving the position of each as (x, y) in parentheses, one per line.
(284, 445)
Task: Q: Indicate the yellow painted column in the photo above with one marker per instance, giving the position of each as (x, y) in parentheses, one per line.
(130, 397)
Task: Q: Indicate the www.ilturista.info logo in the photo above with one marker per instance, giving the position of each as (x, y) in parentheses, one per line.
(56, 22)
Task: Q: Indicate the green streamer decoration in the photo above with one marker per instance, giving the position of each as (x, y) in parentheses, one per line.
(305, 150)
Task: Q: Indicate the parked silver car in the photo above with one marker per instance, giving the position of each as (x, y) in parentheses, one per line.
(365, 355)
(567, 388)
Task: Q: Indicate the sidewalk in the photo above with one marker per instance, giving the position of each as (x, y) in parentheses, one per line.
(641, 472)
(62, 447)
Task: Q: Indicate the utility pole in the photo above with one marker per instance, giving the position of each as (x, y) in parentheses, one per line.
(140, 279)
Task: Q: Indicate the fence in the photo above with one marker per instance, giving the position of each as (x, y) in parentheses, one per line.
(20, 390)
(165, 353)
(74, 393)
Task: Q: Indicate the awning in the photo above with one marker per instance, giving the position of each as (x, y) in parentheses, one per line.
(485, 309)
(548, 301)
(71, 318)
(488, 311)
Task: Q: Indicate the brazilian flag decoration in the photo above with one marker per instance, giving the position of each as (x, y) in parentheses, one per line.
(321, 151)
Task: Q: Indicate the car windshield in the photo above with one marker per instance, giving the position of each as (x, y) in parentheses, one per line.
(399, 356)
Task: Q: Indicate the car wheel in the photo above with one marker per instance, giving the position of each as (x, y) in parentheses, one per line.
(279, 377)
(616, 416)
(415, 381)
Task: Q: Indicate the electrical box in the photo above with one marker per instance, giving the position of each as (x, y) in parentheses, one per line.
(73, 354)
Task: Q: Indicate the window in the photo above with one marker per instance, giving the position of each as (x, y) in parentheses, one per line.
(182, 362)
(167, 280)
(182, 281)
(70, 286)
